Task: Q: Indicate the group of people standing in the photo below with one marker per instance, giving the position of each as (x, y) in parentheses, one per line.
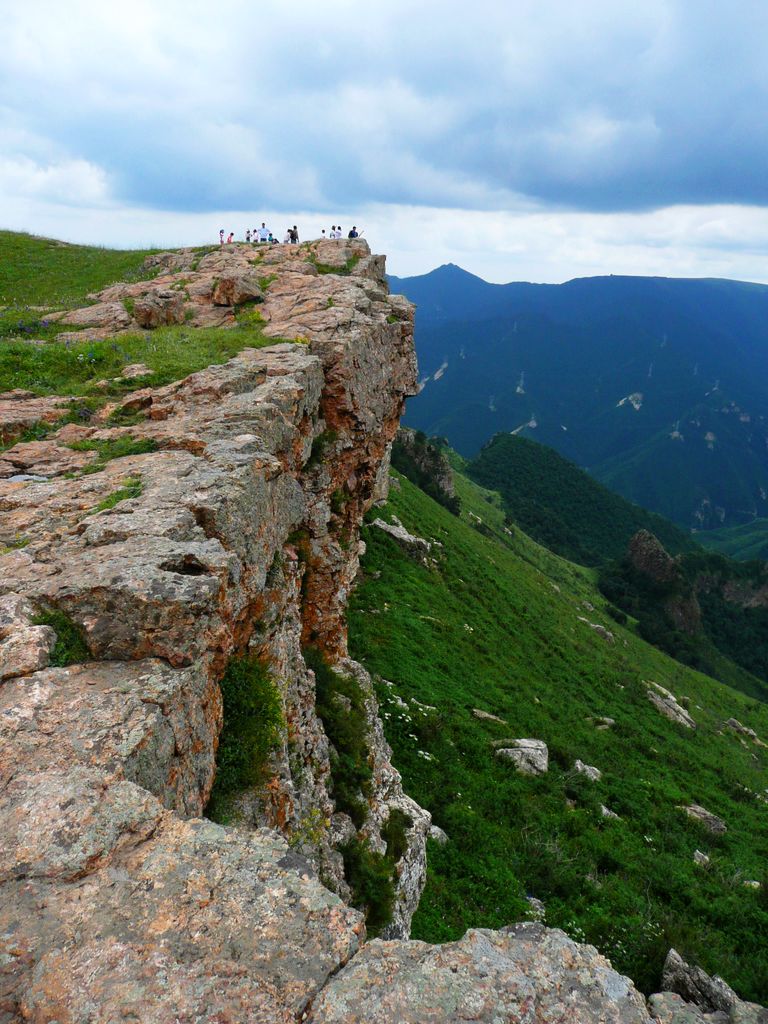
(264, 236)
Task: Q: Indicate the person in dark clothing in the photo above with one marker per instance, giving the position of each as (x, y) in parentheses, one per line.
(353, 233)
(294, 233)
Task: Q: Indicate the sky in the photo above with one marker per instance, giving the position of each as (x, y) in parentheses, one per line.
(521, 139)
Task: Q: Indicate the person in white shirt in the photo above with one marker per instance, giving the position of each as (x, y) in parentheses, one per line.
(263, 232)
(287, 238)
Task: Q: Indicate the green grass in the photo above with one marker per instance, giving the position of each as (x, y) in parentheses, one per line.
(70, 647)
(114, 448)
(130, 488)
(44, 272)
(253, 721)
(495, 625)
(170, 352)
(340, 705)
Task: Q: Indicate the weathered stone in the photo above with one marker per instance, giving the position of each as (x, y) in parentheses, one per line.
(486, 716)
(412, 544)
(588, 770)
(710, 821)
(111, 315)
(606, 634)
(530, 757)
(24, 646)
(744, 730)
(20, 410)
(696, 986)
(667, 704)
(527, 974)
(606, 812)
(438, 835)
(702, 859)
(670, 1008)
(235, 288)
(159, 308)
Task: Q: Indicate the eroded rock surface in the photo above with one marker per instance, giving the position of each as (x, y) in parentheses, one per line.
(527, 974)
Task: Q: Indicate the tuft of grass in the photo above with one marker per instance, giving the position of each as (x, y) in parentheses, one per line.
(326, 268)
(131, 488)
(70, 647)
(253, 723)
(113, 448)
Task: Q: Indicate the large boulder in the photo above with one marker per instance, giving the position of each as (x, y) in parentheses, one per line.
(711, 822)
(528, 974)
(159, 308)
(667, 704)
(232, 289)
(530, 757)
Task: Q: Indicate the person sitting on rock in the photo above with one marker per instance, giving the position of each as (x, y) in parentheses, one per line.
(272, 240)
(353, 233)
(231, 238)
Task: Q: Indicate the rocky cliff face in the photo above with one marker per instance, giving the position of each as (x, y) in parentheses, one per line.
(243, 537)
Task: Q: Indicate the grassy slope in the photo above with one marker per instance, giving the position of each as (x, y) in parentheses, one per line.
(48, 275)
(42, 271)
(745, 542)
(495, 626)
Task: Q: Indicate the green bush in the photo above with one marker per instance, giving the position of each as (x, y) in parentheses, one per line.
(340, 704)
(253, 721)
(369, 876)
(70, 647)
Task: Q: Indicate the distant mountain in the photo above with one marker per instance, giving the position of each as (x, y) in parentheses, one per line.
(658, 386)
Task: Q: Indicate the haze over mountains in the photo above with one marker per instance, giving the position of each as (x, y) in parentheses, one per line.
(658, 386)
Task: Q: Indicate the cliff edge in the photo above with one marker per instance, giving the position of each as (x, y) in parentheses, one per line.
(229, 532)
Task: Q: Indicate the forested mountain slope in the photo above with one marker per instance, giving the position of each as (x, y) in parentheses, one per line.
(658, 386)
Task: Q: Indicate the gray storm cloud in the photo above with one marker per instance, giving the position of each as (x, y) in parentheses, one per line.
(589, 106)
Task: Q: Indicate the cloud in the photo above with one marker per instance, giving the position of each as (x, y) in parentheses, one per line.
(596, 105)
(532, 138)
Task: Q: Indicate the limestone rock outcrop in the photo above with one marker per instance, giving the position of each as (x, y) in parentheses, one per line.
(530, 757)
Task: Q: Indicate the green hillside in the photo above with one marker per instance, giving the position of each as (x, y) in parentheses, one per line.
(496, 623)
(45, 272)
(745, 542)
(561, 506)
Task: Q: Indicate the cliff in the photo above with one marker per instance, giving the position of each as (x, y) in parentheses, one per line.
(130, 587)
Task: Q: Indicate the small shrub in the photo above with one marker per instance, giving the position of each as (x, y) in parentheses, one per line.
(319, 446)
(253, 720)
(70, 647)
(369, 876)
(395, 835)
(341, 707)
